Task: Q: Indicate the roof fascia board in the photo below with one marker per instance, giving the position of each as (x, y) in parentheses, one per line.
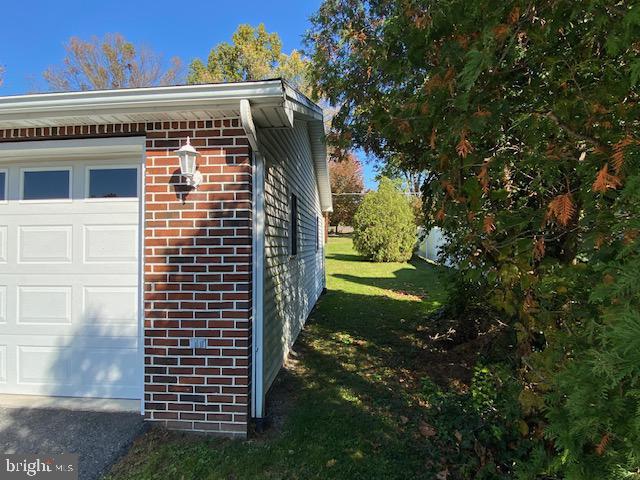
(266, 87)
(298, 98)
(196, 97)
(247, 122)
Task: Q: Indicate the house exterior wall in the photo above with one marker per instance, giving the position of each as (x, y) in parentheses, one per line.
(292, 284)
(197, 271)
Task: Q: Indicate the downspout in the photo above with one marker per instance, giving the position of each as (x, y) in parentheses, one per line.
(257, 334)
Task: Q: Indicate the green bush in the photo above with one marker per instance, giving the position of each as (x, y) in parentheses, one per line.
(384, 227)
(479, 433)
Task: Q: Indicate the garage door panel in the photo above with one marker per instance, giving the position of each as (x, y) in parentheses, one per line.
(31, 359)
(66, 270)
(76, 372)
(3, 304)
(4, 229)
(81, 307)
(45, 244)
(76, 340)
(110, 305)
(3, 364)
(111, 243)
(75, 365)
(69, 298)
(103, 367)
(91, 208)
(44, 305)
(114, 331)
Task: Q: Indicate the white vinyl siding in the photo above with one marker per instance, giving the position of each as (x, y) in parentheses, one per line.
(292, 283)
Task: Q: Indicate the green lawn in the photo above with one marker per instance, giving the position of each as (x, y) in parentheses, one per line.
(351, 404)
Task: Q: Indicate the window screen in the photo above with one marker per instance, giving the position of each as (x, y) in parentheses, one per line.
(46, 185)
(113, 183)
(293, 225)
(3, 186)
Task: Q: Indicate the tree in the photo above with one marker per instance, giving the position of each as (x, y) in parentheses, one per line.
(110, 62)
(411, 181)
(253, 54)
(394, 167)
(1, 75)
(384, 228)
(347, 186)
(526, 116)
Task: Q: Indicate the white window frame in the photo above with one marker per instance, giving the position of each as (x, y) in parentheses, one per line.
(111, 166)
(51, 168)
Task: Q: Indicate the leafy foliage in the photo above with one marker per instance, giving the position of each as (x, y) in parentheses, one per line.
(479, 431)
(384, 228)
(411, 180)
(253, 54)
(347, 183)
(110, 62)
(526, 116)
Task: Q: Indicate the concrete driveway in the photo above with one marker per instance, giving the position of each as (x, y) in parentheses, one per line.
(99, 438)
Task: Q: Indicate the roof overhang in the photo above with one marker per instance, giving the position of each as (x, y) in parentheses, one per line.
(321, 163)
(274, 104)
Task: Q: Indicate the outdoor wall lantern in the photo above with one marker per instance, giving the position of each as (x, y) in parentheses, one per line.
(188, 168)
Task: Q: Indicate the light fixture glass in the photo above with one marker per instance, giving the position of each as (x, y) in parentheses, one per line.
(188, 167)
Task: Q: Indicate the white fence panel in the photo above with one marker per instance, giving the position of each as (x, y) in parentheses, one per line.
(429, 245)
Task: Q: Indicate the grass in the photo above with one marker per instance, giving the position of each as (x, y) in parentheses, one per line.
(349, 399)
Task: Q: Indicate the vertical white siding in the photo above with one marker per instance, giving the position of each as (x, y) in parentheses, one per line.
(430, 243)
(292, 284)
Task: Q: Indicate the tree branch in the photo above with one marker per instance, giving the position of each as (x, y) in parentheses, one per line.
(570, 131)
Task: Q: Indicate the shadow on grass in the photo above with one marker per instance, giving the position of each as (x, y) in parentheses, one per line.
(359, 407)
(348, 403)
(347, 257)
(348, 410)
(417, 277)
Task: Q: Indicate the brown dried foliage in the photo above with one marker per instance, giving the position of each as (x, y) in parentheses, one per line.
(464, 146)
(561, 209)
(488, 224)
(605, 181)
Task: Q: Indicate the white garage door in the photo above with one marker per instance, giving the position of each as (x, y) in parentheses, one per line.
(69, 298)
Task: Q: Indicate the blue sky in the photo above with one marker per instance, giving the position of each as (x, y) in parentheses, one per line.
(33, 33)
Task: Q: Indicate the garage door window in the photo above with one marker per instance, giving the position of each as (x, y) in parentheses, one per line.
(3, 186)
(113, 182)
(46, 184)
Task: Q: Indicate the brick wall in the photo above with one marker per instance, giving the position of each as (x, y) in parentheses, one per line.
(198, 280)
(197, 275)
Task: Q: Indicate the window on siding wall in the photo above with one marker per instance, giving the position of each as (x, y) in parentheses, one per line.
(317, 233)
(293, 225)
